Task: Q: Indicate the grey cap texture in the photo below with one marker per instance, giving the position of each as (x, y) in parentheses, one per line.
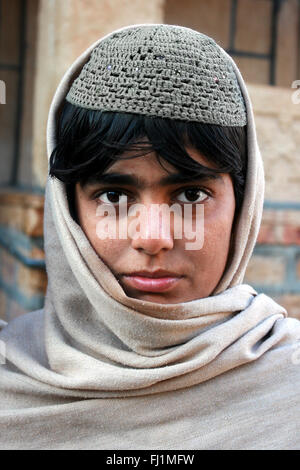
(163, 71)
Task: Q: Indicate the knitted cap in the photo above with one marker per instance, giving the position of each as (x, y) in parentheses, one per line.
(161, 70)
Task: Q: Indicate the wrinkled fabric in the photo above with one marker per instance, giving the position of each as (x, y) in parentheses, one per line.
(96, 369)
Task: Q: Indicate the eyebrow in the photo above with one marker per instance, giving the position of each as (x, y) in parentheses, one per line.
(139, 183)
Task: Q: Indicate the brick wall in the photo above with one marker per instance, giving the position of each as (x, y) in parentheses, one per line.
(23, 279)
(274, 267)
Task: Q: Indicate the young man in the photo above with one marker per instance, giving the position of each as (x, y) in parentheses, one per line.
(169, 169)
(147, 340)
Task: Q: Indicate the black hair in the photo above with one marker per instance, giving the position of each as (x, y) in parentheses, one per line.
(89, 141)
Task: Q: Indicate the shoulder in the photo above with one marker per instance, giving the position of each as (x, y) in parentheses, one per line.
(26, 320)
(2, 324)
(24, 335)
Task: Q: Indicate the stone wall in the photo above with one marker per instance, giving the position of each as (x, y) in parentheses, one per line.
(23, 278)
(275, 265)
(252, 33)
(278, 129)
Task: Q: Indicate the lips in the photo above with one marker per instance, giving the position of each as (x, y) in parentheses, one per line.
(158, 273)
(155, 281)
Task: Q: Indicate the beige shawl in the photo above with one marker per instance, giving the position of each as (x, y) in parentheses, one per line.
(95, 369)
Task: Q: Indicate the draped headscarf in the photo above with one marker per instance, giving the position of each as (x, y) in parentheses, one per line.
(96, 369)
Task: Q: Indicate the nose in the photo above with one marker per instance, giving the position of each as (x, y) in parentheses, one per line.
(153, 232)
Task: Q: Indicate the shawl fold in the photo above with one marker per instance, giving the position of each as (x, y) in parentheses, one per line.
(97, 369)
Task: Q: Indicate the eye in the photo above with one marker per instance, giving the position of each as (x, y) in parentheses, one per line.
(113, 197)
(192, 195)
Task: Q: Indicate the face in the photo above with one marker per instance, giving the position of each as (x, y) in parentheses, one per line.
(160, 268)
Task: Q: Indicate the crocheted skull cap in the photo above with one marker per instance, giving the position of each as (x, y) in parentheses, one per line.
(161, 70)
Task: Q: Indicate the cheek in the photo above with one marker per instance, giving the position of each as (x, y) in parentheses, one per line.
(218, 219)
(209, 262)
(108, 249)
(218, 227)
